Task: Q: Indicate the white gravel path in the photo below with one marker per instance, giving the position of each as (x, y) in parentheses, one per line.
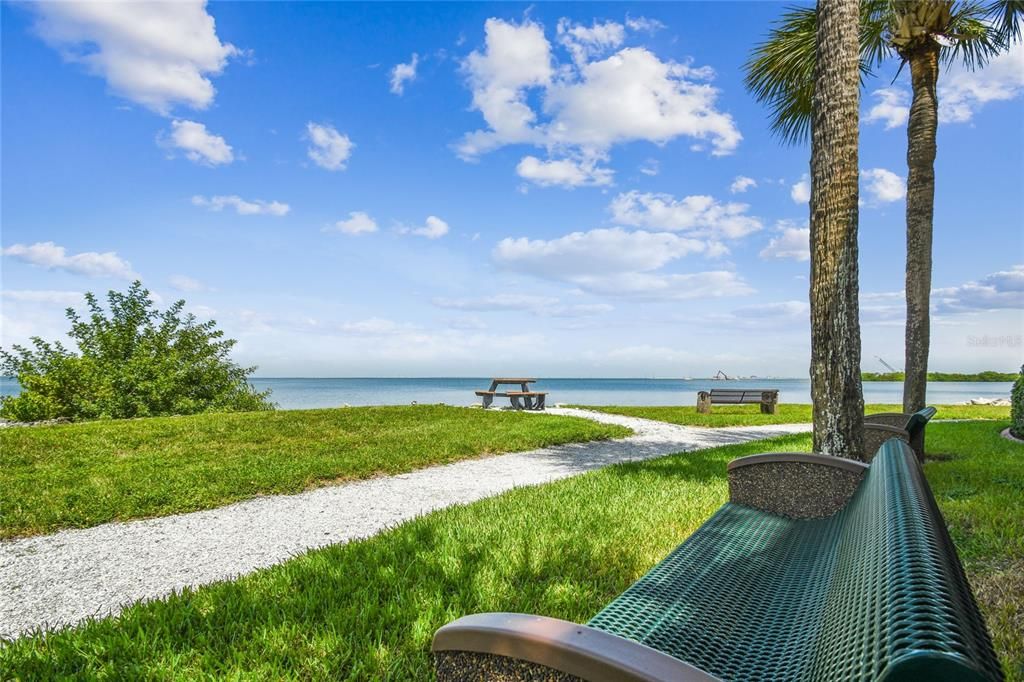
(52, 581)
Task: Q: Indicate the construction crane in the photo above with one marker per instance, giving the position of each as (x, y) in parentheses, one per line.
(887, 365)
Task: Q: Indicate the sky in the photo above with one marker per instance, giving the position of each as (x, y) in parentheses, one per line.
(478, 189)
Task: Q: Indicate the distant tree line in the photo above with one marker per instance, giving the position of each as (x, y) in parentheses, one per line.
(987, 375)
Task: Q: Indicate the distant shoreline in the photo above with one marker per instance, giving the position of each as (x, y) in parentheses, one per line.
(979, 377)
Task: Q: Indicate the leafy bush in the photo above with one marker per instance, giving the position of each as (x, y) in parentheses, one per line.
(133, 362)
(1017, 406)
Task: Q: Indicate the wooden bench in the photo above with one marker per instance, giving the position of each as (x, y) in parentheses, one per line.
(818, 568)
(768, 398)
(534, 400)
(521, 399)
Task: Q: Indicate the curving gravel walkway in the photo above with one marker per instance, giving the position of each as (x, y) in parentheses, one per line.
(53, 581)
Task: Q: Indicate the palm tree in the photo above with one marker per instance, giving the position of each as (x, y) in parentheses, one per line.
(922, 33)
(835, 324)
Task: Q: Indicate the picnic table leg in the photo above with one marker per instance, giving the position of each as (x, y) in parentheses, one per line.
(487, 400)
(529, 402)
(515, 402)
(540, 402)
(494, 386)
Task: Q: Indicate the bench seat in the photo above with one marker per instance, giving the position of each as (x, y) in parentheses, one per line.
(873, 591)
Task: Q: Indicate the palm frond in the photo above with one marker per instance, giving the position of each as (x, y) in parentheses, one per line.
(973, 39)
(780, 72)
(1007, 16)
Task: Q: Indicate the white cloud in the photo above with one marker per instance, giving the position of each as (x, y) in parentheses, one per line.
(697, 215)
(650, 167)
(584, 42)
(597, 251)
(356, 224)
(434, 228)
(800, 193)
(643, 24)
(893, 107)
(90, 263)
(563, 172)
(615, 262)
(497, 302)
(961, 92)
(242, 206)
(741, 184)
(186, 283)
(998, 290)
(883, 186)
(329, 149)
(198, 144)
(157, 54)
(787, 315)
(588, 106)
(374, 326)
(62, 298)
(403, 73)
(793, 242)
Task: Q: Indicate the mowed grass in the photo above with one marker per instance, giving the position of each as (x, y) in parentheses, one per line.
(367, 610)
(78, 475)
(750, 415)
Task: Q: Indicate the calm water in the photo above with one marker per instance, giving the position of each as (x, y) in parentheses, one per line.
(308, 393)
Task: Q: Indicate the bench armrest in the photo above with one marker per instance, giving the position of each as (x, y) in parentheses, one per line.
(519, 646)
(798, 485)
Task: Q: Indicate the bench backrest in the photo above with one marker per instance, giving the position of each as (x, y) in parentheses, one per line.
(738, 395)
(919, 420)
(899, 607)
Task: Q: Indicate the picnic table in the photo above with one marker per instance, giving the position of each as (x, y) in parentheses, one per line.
(521, 399)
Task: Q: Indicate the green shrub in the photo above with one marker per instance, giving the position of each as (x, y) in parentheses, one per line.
(134, 361)
(1017, 406)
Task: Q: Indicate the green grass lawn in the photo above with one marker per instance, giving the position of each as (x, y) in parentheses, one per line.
(79, 475)
(750, 415)
(367, 610)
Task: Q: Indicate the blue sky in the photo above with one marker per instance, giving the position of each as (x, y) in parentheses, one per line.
(477, 189)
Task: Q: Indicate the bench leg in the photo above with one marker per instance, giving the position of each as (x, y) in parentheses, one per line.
(487, 400)
(703, 405)
(768, 408)
(515, 402)
(529, 402)
(540, 402)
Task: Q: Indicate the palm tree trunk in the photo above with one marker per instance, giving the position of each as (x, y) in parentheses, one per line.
(921, 148)
(835, 325)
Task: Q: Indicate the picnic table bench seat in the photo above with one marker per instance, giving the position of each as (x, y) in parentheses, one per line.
(818, 568)
(767, 398)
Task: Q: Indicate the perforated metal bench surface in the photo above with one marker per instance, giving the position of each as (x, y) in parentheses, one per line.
(875, 591)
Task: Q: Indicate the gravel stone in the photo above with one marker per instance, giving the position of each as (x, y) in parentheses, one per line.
(54, 581)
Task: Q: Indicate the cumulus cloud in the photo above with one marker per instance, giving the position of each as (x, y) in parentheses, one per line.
(643, 24)
(617, 262)
(242, 206)
(186, 283)
(741, 184)
(792, 242)
(882, 186)
(197, 143)
(698, 215)
(328, 148)
(563, 172)
(357, 223)
(156, 54)
(591, 104)
(800, 192)
(998, 290)
(586, 42)
(892, 107)
(433, 228)
(404, 73)
(962, 93)
(90, 263)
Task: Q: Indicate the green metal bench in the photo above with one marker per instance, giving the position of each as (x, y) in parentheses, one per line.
(818, 568)
(914, 424)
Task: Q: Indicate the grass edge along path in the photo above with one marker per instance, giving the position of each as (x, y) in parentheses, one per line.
(788, 413)
(367, 610)
(85, 474)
